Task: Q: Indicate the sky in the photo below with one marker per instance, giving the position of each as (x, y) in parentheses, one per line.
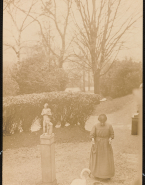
(30, 34)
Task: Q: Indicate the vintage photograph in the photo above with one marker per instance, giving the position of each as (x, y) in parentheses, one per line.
(72, 92)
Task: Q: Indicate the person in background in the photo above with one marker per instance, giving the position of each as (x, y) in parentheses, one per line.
(101, 157)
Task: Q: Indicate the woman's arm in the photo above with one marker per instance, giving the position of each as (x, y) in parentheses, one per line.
(93, 132)
(111, 132)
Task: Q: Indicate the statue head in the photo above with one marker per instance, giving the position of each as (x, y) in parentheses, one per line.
(46, 105)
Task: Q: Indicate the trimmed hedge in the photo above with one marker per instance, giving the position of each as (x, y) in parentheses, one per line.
(66, 107)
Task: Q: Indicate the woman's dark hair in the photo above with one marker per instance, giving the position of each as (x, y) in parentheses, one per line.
(102, 118)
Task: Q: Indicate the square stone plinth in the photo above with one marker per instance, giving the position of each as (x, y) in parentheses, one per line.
(48, 159)
(46, 139)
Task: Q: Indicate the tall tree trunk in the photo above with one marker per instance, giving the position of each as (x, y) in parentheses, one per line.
(89, 80)
(60, 65)
(97, 82)
(83, 80)
(49, 45)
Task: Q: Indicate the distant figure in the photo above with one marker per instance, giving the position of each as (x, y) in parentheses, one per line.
(101, 157)
(46, 113)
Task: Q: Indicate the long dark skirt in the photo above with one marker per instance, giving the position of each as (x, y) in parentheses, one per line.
(101, 160)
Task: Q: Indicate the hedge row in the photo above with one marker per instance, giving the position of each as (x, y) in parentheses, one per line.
(67, 107)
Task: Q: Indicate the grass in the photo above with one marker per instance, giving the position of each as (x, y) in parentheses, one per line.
(22, 160)
(110, 106)
(62, 135)
(23, 165)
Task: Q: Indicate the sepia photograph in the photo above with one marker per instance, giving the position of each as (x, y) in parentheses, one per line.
(72, 92)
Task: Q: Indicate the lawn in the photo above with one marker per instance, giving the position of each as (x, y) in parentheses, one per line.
(22, 160)
(113, 105)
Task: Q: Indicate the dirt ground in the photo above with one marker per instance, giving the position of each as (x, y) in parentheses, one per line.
(22, 165)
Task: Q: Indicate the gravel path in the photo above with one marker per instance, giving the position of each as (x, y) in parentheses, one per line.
(23, 166)
(120, 118)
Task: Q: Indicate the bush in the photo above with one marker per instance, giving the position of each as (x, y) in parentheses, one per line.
(66, 107)
(35, 75)
(122, 78)
(10, 87)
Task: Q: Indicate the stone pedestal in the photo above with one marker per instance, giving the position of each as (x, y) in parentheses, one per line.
(48, 160)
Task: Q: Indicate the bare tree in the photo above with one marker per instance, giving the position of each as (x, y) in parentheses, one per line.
(10, 7)
(46, 41)
(75, 75)
(5, 4)
(101, 34)
(49, 11)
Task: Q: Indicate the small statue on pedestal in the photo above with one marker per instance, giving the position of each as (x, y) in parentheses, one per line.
(46, 113)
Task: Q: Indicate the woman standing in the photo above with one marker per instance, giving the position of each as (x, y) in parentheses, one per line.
(101, 157)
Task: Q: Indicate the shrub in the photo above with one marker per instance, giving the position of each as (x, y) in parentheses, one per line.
(66, 107)
(122, 78)
(35, 75)
(10, 87)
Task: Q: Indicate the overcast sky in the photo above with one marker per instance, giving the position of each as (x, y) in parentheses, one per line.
(30, 35)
